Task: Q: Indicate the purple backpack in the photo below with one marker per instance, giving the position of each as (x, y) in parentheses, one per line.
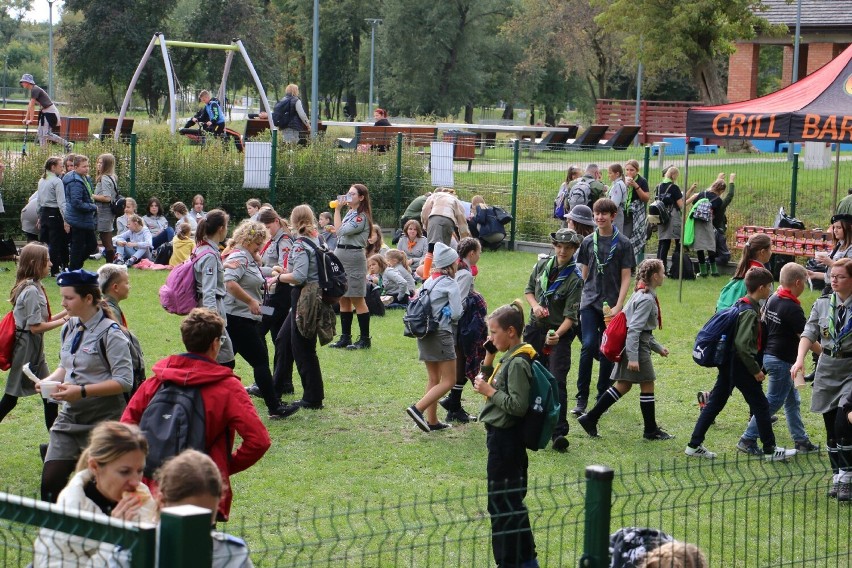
(178, 294)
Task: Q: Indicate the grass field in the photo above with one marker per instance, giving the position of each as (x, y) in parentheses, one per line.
(362, 448)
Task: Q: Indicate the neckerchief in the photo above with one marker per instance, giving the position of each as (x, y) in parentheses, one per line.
(847, 326)
(645, 289)
(87, 184)
(786, 294)
(549, 288)
(612, 247)
(411, 244)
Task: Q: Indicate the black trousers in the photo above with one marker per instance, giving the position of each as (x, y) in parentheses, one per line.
(512, 540)
(557, 362)
(295, 347)
(280, 301)
(83, 243)
(249, 343)
(53, 234)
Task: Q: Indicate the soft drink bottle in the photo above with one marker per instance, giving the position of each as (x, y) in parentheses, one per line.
(548, 349)
(607, 313)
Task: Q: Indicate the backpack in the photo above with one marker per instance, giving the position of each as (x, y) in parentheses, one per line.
(163, 253)
(418, 320)
(733, 291)
(615, 338)
(282, 112)
(137, 360)
(178, 295)
(543, 412)
(713, 343)
(8, 330)
(117, 204)
(702, 210)
(172, 422)
(332, 277)
(559, 211)
(658, 214)
(688, 268)
(580, 194)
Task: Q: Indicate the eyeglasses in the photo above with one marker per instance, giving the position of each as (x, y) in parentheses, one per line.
(838, 277)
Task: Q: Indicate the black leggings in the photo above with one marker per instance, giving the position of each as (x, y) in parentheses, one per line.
(54, 478)
(9, 402)
(245, 334)
(663, 249)
(711, 256)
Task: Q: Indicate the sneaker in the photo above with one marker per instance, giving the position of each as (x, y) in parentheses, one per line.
(448, 404)
(560, 444)
(254, 390)
(418, 418)
(749, 447)
(699, 452)
(580, 409)
(460, 416)
(283, 411)
(703, 397)
(96, 256)
(806, 447)
(835, 485)
(658, 434)
(130, 262)
(302, 403)
(590, 426)
(118, 260)
(439, 426)
(844, 491)
(780, 454)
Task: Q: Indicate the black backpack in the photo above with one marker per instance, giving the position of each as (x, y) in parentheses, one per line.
(332, 277)
(688, 268)
(172, 422)
(117, 204)
(137, 360)
(418, 320)
(282, 112)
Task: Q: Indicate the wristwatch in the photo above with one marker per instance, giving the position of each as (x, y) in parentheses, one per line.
(82, 391)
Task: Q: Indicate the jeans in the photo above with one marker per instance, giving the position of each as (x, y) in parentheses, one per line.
(165, 236)
(591, 330)
(781, 393)
(128, 251)
(83, 243)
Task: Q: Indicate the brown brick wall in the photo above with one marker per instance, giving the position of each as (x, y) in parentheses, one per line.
(742, 72)
(819, 54)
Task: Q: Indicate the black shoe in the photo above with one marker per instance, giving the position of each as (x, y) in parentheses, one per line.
(658, 434)
(774, 418)
(302, 403)
(439, 426)
(418, 418)
(590, 426)
(254, 390)
(288, 389)
(448, 404)
(460, 416)
(362, 343)
(580, 409)
(343, 342)
(283, 411)
(560, 444)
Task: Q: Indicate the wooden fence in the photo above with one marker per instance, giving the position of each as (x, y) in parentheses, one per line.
(657, 119)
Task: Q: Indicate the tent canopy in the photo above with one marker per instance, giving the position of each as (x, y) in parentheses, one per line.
(817, 108)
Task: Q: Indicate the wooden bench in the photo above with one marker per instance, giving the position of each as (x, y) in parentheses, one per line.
(11, 121)
(108, 129)
(384, 136)
(71, 128)
(791, 242)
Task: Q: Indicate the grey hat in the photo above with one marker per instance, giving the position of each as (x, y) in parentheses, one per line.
(566, 236)
(27, 78)
(443, 256)
(581, 214)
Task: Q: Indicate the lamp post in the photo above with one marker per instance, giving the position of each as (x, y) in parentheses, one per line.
(50, 49)
(373, 23)
(791, 145)
(315, 73)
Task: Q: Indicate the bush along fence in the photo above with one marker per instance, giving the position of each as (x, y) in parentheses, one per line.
(516, 175)
(739, 511)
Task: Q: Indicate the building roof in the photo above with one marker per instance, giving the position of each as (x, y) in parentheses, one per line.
(817, 15)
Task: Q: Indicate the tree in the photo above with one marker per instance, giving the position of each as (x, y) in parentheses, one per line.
(12, 13)
(685, 36)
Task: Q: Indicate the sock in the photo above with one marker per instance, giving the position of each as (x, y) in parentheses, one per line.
(427, 262)
(455, 395)
(646, 404)
(363, 324)
(844, 457)
(609, 398)
(345, 323)
(833, 455)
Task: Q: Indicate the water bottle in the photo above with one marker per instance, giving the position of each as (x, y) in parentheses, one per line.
(607, 313)
(548, 349)
(721, 351)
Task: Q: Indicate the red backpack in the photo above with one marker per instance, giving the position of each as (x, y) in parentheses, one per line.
(7, 341)
(614, 338)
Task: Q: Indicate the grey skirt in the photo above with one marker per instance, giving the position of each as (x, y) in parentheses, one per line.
(355, 264)
(439, 346)
(671, 230)
(29, 348)
(646, 368)
(705, 236)
(833, 378)
(106, 220)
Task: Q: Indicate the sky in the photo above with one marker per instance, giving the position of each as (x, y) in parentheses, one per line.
(39, 13)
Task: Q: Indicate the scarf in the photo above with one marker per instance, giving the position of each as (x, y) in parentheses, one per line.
(411, 244)
(549, 288)
(612, 248)
(847, 325)
(522, 348)
(787, 295)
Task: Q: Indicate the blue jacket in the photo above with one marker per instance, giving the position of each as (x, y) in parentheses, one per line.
(214, 111)
(486, 218)
(80, 210)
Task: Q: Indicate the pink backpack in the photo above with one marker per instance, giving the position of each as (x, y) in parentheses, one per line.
(178, 295)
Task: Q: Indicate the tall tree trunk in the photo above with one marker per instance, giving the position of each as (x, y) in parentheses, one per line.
(350, 109)
(532, 115)
(705, 75)
(468, 113)
(549, 116)
(508, 112)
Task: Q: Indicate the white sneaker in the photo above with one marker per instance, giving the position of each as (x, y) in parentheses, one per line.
(699, 452)
(780, 454)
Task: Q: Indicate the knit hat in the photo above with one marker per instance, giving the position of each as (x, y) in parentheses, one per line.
(443, 256)
(77, 277)
(566, 236)
(581, 214)
(27, 78)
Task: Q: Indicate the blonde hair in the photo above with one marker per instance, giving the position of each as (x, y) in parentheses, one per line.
(184, 231)
(399, 256)
(130, 201)
(646, 269)
(107, 166)
(203, 93)
(676, 555)
(110, 441)
(189, 474)
(250, 233)
(179, 207)
(108, 273)
(476, 200)
(791, 272)
(136, 219)
(302, 219)
(291, 89)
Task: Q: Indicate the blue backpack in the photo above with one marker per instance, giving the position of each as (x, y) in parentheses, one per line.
(713, 343)
(543, 412)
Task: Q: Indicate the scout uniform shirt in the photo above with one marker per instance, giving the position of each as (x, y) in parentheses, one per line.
(242, 268)
(353, 231)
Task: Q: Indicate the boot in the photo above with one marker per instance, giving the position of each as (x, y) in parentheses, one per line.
(344, 341)
(362, 343)
(704, 269)
(714, 270)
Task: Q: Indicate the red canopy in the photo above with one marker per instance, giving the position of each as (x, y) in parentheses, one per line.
(817, 108)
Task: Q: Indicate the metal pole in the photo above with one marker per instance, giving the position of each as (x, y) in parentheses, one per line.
(597, 520)
(795, 66)
(50, 48)
(836, 176)
(682, 227)
(516, 151)
(398, 200)
(314, 74)
(373, 23)
(794, 182)
(126, 103)
(639, 89)
(273, 167)
(132, 163)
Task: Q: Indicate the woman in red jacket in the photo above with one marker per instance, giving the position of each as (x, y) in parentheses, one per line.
(227, 407)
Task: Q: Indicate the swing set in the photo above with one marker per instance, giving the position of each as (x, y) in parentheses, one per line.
(159, 38)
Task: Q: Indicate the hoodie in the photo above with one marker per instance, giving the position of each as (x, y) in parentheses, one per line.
(227, 408)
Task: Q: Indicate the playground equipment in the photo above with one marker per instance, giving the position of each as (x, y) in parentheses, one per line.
(159, 39)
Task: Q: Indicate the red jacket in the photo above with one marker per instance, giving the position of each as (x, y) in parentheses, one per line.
(227, 407)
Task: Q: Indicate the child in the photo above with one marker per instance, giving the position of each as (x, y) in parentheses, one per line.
(606, 258)
(618, 193)
(198, 208)
(32, 316)
(392, 286)
(397, 260)
(643, 316)
(134, 244)
(705, 231)
(756, 253)
(507, 392)
(413, 243)
(253, 208)
(129, 211)
(784, 321)
(210, 117)
(51, 207)
(182, 244)
(115, 287)
(553, 293)
(182, 215)
(375, 242)
(742, 372)
(327, 232)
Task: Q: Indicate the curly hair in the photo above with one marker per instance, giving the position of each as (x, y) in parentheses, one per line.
(250, 233)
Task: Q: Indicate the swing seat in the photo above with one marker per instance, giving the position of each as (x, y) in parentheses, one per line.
(199, 136)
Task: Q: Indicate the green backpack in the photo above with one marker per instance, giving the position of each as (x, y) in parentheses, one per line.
(543, 412)
(733, 291)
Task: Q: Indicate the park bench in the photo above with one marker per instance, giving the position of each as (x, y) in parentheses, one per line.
(72, 128)
(790, 242)
(589, 139)
(11, 121)
(108, 129)
(622, 139)
(384, 136)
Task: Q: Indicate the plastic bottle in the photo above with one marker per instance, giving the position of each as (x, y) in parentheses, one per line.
(721, 351)
(607, 313)
(333, 204)
(548, 349)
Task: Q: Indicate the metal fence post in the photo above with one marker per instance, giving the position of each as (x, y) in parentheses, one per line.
(646, 163)
(598, 503)
(133, 165)
(794, 182)
(272, 168)
(516, 145)
(398, 200)
(185, 540)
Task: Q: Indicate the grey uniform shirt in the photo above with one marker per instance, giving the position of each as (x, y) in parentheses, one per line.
(417, 252)
(394, 284)
(30, 307)
(406, 274)
(156, 224)
(210, 287)
(444, 292)
(51, 193)
(189, 219)
(817, 327)
(241, 267)
(354, 230)
(303, 262)
(618, 193)
(464, 278)
(121, 224)
(642, 315)
(276, 252)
